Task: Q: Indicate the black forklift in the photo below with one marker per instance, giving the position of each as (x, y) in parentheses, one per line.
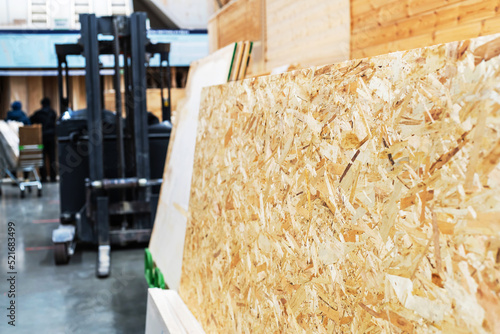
(110, 164)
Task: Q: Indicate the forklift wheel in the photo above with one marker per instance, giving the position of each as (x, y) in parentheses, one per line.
(61, 255)
(23, 193)
(39, 193)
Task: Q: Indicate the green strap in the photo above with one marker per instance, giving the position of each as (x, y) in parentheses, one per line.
(148, 268)
(160, 280)
(26, 147)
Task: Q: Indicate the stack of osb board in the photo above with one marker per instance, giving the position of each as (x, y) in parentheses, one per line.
(357, 197)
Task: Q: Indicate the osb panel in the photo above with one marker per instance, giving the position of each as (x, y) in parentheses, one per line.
(380, 26)
(358, 197)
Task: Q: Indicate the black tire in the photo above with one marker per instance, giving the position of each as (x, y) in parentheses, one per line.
(61, 255)
(23, 193)
(29, 190)
(39, 193)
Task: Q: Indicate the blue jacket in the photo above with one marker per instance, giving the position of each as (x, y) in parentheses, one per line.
(18, 115)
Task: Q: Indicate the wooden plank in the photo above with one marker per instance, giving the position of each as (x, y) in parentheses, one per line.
(387, 13)
(244, 60)
(167, 313)
(471, 30)
(213, 35)
(396, 24)
(167, 239)
(238, 57)
(333, 199)
(444, 18)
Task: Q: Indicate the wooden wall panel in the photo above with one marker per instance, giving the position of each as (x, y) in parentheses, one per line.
(18, 87)
(35, 94)
(4, 97)
(153, 100)
(79, 94)
(380, 26)
(50, 90)
(307, 33)
(353, 198)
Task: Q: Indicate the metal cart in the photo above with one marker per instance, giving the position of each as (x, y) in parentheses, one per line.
(30, 158)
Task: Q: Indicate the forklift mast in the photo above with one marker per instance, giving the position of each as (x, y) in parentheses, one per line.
(128, 194)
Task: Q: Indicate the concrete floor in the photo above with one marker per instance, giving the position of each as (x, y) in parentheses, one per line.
(65, 299)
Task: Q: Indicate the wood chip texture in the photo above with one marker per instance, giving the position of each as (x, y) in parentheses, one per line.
(357, 197)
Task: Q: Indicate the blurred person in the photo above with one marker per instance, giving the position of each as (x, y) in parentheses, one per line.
(17, 114)
(46, 116)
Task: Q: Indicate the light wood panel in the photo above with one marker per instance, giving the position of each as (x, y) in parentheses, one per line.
(79, 95)
(50, 90)
(35, 94)
(385, 26)
(167, 239)
(18, 87)
(353, 198)
(167, 313)
(308, 33)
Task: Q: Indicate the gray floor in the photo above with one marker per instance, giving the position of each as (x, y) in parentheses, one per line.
(65, 299)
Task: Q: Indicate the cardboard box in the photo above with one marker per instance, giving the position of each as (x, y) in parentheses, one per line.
(30, 135)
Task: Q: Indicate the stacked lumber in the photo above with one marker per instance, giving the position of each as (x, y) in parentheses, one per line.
(357, 197)
(381, 26)
(287, 32)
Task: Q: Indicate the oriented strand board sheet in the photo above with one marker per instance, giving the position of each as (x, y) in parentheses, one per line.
(307, 32)
(380, 26)
(167, 239)
(358, 197)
